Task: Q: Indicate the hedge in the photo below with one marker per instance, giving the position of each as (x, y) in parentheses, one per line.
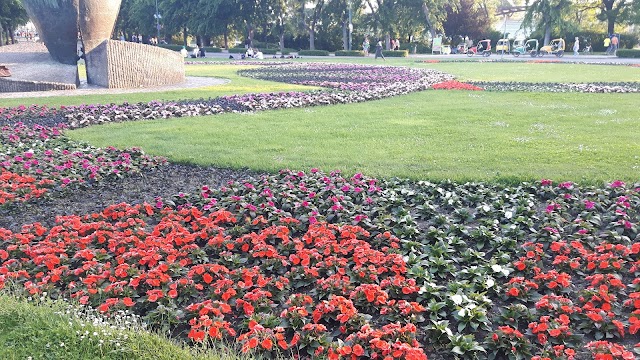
(175, 47)
(628, 53)
(420, 48)
(349, 53)
(395, 53)
(189, 48)
(313, 53)
(237, 50)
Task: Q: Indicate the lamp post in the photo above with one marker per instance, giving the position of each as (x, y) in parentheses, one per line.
(350, 26)
(157, 16)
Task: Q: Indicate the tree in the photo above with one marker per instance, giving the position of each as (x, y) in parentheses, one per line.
(217, 18)
(313, 23)
(612, 10)
(468, 18)
(12, 15)
(546, 14)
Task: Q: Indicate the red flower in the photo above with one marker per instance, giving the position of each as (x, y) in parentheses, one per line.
(266, 344)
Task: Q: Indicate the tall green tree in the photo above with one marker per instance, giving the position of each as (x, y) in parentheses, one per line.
(611, 11)
(467, 18)
(545, 15)
(12, 15)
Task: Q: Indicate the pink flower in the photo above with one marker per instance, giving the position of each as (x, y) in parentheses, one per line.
(617, 184)
(546, 182)
(566, 185)
(589, 204)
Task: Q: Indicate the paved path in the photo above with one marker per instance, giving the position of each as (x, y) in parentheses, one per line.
(84, 89)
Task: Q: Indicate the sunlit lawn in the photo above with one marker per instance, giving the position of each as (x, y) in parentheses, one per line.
(427, 135)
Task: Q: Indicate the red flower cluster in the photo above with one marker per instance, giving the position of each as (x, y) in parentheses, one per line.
(581, 287)
(219, 280)
(14, 187)
(455, 85)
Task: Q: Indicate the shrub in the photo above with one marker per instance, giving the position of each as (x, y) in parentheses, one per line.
(313, 53)
(237, 50)
(420, 48)
(212, 49)
(349, 53)
(269, 51)
(628, 53)
(176, 47)
(394, 53)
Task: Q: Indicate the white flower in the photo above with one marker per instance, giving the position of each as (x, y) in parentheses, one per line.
(457, 299)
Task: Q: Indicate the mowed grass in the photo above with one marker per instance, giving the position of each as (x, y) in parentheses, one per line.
(46, 331)
(532, 72)
(234, 85)
(431, 135)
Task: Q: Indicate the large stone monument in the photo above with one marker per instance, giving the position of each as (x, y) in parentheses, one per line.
(109, 63)
(57, 24)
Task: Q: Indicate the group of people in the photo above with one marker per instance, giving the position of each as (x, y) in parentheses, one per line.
(195, 53)
(140, 39)
(366, 45)
(252, 53)
(611, 43)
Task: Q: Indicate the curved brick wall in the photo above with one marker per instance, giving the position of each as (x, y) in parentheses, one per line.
(121, 64)
(7, 85)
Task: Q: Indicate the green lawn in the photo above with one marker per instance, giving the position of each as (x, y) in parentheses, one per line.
(236, 85)
(524, 72)
(429, 135)
(51, 330)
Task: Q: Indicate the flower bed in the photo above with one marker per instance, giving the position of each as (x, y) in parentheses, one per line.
(319, 264)
(455, 85)
(624, 87)
(35, 160)
(364, 83)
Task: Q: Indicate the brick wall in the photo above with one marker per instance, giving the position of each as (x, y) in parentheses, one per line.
(7, 85)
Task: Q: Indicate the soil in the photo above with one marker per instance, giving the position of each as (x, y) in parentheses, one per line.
(165, 182)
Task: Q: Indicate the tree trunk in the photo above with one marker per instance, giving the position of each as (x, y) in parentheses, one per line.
(226, 38)
(425, 10)
(387, 41)
(611, 15)
(250, 34)
(547, 33)
(1, 35)
(13, 36)
(376, 17)
(281, 42)
(345, 35)
(312, 28)
(312, 38)
(184, 36)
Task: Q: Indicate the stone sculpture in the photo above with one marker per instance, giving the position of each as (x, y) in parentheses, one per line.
(57, 24)
(109, 63)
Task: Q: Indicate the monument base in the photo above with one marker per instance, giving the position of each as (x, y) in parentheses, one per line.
(125, 65)
(33, 69)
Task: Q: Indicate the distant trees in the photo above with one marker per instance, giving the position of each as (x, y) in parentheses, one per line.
(325, 23)
(547, 14)
(12, 15)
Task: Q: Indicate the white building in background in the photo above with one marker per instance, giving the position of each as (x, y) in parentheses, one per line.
(511, 24)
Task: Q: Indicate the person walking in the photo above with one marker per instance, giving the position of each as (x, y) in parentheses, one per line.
(365, 46)
(607, 45)
(614, 44)
(576, 47)
(379, 50)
